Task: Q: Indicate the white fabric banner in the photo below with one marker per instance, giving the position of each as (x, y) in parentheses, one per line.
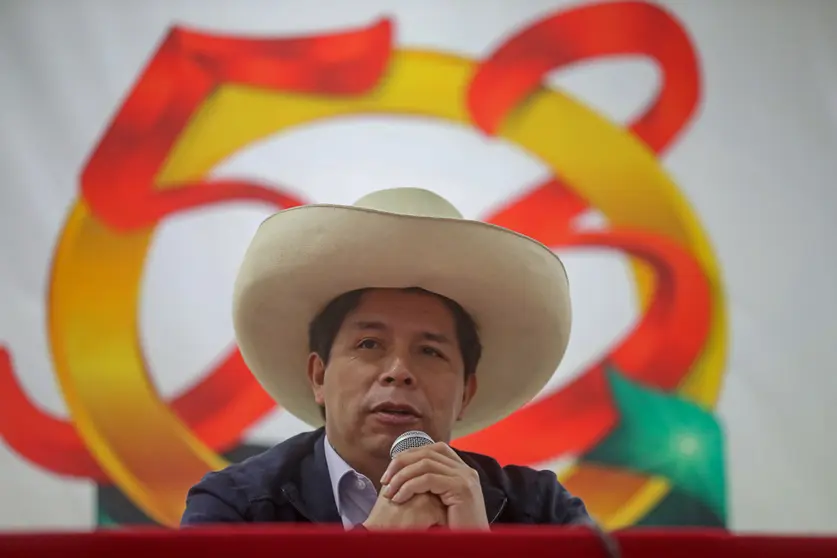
(678, 155)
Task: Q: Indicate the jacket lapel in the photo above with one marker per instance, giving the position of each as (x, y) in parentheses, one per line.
(313, 497)
(495, 501)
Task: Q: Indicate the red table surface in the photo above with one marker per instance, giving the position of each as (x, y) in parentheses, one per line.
(531, 542)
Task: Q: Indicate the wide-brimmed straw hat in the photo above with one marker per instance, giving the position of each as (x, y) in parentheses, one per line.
(301, 258)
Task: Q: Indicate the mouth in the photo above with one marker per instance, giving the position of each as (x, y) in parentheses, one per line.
(396, 412)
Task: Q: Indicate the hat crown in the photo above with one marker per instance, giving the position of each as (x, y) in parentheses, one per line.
(409, 201)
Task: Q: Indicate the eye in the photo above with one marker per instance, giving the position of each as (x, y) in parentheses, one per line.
(432, 351)
(368, 344)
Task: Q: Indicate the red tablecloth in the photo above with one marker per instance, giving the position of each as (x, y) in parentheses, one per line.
(255, 542)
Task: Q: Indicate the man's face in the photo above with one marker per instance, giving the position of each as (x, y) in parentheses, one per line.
(395, 366)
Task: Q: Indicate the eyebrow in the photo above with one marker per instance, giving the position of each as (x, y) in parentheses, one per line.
(381, 326)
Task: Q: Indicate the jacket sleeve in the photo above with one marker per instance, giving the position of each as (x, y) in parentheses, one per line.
(214, 500)
(562, 508)
(559, 506)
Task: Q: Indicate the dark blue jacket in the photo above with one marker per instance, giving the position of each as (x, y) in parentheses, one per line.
(290, 483)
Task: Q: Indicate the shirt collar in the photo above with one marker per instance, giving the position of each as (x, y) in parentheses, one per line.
(338, 469)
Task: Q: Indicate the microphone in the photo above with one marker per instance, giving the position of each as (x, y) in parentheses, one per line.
(409, 440)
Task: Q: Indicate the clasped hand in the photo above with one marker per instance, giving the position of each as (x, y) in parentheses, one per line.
(432, 485)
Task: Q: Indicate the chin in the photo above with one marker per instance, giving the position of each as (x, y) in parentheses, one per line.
(378, 444)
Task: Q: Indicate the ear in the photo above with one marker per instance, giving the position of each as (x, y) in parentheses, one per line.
(467, 394)
(316, 377)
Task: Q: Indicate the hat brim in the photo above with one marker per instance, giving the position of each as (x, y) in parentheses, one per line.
(515, 288)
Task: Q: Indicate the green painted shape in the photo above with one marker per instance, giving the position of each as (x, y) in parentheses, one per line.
(665, 435)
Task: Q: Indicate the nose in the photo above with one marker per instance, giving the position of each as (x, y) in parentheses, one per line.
(397, 372)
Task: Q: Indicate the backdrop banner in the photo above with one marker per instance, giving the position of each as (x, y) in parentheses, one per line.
(678, 155)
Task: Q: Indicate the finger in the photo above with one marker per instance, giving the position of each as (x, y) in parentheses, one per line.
(435, 451)
(447, 451)
(414, 454)
(413, 470)
(434, 483)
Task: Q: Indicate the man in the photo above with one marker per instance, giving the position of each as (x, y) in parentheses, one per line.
(406, 317)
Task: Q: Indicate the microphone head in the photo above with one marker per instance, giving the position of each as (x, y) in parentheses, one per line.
(409, 440)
